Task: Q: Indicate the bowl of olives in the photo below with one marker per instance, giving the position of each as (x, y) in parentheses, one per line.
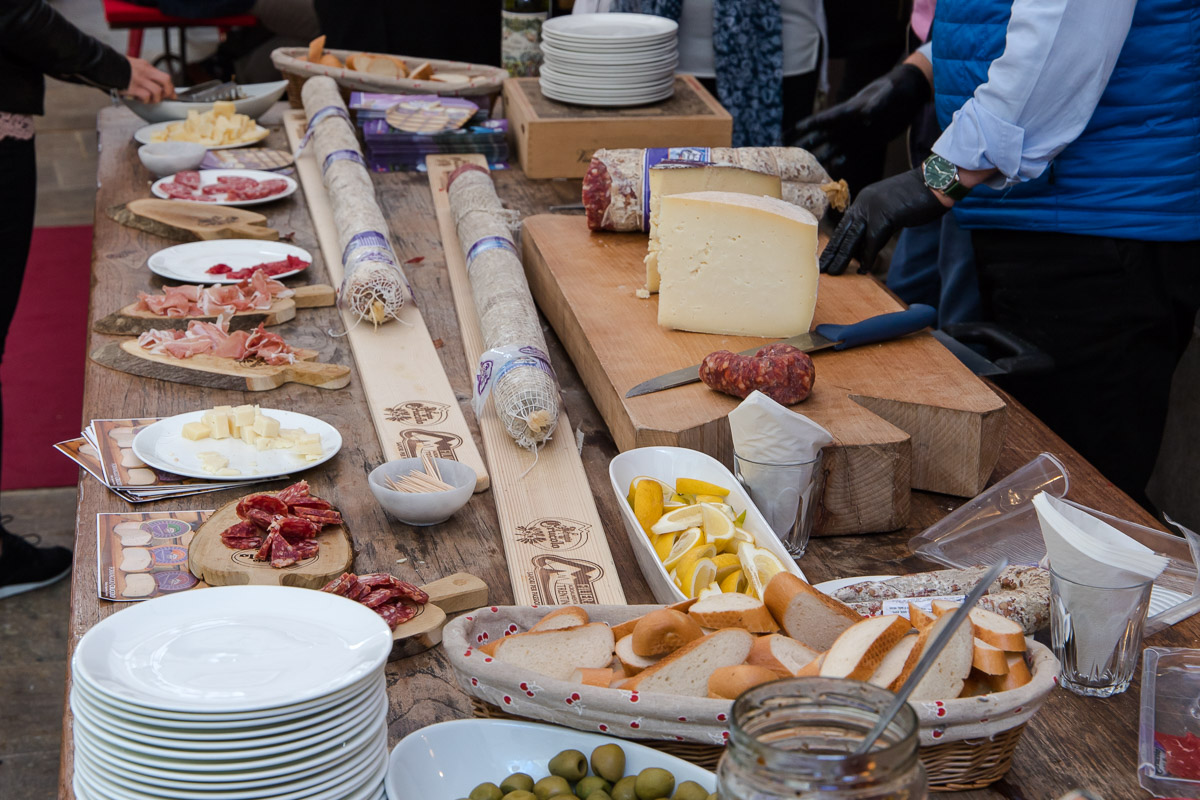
(493, 759)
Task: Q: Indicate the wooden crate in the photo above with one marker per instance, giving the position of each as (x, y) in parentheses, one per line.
(556, 140)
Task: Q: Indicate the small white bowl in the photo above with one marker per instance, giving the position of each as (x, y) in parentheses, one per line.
(167, 158)
(425, 508)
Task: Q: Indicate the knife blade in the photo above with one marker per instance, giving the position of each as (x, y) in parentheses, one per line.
(839, 337)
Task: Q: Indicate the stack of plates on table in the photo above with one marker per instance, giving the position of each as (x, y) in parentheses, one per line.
(609, 59)
(237, 692)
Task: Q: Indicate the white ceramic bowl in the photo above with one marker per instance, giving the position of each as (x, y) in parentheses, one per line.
(427, 508)
(167, 158)
(449, 759)
(258, 100)
(667, 464)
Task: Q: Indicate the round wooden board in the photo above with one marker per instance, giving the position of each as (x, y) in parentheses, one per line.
(215, 564)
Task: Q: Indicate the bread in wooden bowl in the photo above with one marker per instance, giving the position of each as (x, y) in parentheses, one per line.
(806, 614)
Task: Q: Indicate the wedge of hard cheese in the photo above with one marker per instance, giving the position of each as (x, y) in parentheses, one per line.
(735, 264)
(681, 178)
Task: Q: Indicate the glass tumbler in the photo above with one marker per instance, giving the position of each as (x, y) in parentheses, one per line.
(788, 496)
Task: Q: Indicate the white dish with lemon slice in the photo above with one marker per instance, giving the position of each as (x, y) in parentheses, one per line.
(669, 464)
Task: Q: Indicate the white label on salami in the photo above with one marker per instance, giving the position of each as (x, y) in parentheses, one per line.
(900, 604)
(498, 361)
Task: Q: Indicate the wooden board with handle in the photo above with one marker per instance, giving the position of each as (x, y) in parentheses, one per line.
(904, 414)
(461, 591)
(221, 373)
(187, 221)
(131, 321)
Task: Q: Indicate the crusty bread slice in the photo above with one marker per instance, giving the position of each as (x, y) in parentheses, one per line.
(421, 71)
(687, 670)
(592, 676)
(998, 631)
(734, 610)
(919, 617)
(944, 680)
(781, 654)
(631, 663)
(812, 669)
(857, 653)
(899, 662)
(623, 629)
(1017, 676)
(558, 653)
(728, 682)
(807, 615)
(940, 607)
(663, 631)
(976, 684)
(988, 659)
(568, 617)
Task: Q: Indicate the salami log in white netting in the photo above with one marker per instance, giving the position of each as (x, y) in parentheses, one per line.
(373, 284)
(515, 369)
(616, 192)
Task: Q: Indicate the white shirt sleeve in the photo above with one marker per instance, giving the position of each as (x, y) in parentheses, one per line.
(1041, 92)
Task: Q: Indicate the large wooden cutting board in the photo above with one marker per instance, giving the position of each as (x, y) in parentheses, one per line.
(188, 221)
(904, 414)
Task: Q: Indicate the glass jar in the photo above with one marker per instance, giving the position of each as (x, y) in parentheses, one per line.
(795, 738)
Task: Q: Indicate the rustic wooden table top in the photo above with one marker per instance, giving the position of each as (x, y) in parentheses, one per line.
(1073, 742)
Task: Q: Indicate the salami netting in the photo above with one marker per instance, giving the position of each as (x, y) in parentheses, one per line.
(373, 285)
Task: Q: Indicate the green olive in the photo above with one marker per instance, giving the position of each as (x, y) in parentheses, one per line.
(599, 794)
(591, 784)
(608, 761)
(569, 764)
(690, 790)
(518, 780)
(551, 786)
(624, 788)
(653, 783)
(486, 791)
(520, 794)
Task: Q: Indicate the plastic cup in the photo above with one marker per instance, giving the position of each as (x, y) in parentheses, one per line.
(787, 495)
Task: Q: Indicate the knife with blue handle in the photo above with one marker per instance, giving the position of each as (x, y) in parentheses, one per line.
(839, 337)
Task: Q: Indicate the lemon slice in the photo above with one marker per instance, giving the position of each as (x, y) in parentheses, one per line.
(718, 528)
(677, 520)
(696, 575)
(663, 545)
(692, 556)
(759, 565)
(693, 486)
(647, 503)
(687, 540)
(709, 498)
(726, 563)
(733, 582)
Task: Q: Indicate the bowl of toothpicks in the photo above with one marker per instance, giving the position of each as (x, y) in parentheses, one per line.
(422, 491)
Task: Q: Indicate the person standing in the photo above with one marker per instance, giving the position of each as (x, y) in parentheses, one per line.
(35, 40)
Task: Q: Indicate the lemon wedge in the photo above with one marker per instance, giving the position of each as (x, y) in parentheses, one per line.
(691, 538)
(693, 486)
(718, 528)
(726, 563)
(696, 575)
(692, 556)
(647, 503)
(678, 519)
(759, 566)
(663, 544)
(735, 581)
(709, 498)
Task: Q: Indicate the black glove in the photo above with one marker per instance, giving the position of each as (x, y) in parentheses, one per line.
(900, 201)
(877, 114)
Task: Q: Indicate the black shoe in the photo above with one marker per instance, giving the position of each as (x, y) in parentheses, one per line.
(24, 567)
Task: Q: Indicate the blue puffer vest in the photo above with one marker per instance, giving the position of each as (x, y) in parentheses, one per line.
(1134, 172)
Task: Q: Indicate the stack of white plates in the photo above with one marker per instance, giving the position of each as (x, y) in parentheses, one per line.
(609, 59)
(233, 693)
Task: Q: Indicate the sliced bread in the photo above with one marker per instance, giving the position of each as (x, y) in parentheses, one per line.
(781, 654)
(988, 659)
(858, 651)
(1017, 676)
(593, 676)
(812, 669)
(568, 617)
(945, 678)
(623, 629)
(998, 631)
(558, 653)
(898, 664)
(919, 617)
(807, 615)
(729, 682)
(687, 670)
(631, 663)
(663, 631)
(976, 684)
(733, 610)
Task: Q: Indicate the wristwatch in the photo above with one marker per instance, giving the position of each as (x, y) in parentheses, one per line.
(941, 175)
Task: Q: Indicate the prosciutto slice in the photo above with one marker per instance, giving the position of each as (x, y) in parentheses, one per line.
(215, 338)
(256, 293)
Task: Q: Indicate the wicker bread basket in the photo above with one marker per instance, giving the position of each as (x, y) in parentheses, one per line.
(966, 743)
(293, 62)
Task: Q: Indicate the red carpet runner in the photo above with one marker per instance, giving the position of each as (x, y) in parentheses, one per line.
(42, 374)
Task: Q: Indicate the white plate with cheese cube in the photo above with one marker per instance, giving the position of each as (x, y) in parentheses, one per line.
(150, 133)
(242, 443)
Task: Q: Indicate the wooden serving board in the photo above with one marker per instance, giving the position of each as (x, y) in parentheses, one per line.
(217, 565)
(221, 373)
(458, 592)
(187, 221)
(130, 321)
(904, 414)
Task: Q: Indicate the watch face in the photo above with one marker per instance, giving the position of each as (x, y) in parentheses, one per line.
(939, 173)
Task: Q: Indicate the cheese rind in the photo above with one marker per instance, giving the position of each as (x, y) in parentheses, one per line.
(735, 264)
(671, 179)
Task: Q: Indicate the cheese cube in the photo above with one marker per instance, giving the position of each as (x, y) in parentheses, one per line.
(736, 264)
(266, 426)
(249, 435)
(264, 442)
(224, 108)
(218, 424)
(243, 416)
(195, 431)
(223, 409)
(669, 179)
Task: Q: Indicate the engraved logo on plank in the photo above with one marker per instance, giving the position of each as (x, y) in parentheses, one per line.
(554, 534)
(555, 580)
(418, 412)
(413, 442)
(246, 558)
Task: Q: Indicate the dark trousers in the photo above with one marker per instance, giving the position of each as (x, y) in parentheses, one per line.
(798, 94)
(18, 176)
(1115, 315)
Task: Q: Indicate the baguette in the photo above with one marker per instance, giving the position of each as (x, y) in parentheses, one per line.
(858, 651)
(592, 676)
(919, 617)
(988, 659)
(812, 669)
(558, 653)
(805, 614)
(734, 610)
(687, 670)
(729, 682)
(569, 617)
(898, 664)
(663, 631)
(976, 684)
(998, 631)
(1017, 676)
(631, 663)
(782, 655)
(623, 629)
(946, 677)
(421, 72)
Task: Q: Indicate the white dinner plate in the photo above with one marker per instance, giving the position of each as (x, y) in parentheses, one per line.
(233, 648)
(163, 446)
(607, 93)
(189, 262)
(590, 57)
(622, 51)
(143, 135)
(611, 75)
(610, 27)
(589, 99)
(209, 176)
(628, 84)
(449, 759)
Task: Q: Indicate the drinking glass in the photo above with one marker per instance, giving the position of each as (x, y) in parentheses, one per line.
(788, 496)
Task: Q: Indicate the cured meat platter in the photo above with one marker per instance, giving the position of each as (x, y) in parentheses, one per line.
(221, 373)
(189, 221)
(131, 320)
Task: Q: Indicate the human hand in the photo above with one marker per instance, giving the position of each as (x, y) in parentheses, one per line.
(900, 201)
(148, 83)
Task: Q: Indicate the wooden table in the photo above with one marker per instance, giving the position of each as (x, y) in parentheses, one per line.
(1073, 742)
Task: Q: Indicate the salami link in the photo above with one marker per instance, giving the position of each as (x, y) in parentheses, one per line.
(341, 585)
(291, 494)
(295, 528)
(780, 371)
(395, 600)
(397, 615)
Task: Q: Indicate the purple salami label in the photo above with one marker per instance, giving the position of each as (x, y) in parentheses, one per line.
(657, 155)
(168, 555)
(490, 243)
(365, 239)
(342, 155)
(174, 581)
(327, 111)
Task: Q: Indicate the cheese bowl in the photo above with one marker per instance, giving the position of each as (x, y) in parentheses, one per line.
(668, 464)
(258, 100)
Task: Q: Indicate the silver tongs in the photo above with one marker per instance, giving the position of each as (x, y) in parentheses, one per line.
(210, 92)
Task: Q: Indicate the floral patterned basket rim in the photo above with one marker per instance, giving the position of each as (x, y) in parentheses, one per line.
(484, 79)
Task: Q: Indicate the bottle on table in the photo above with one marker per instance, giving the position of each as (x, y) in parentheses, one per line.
(521, 35)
